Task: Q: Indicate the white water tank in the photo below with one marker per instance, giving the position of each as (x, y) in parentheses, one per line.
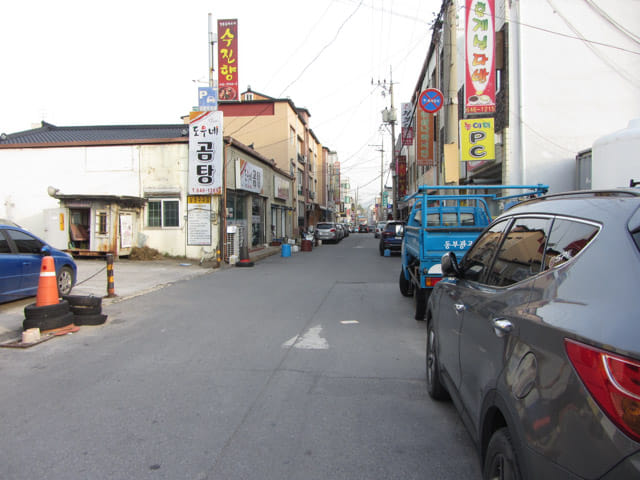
(616, 158)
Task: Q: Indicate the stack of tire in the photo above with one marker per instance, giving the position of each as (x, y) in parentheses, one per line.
(86, 309)
(47, 317)
(72, 309)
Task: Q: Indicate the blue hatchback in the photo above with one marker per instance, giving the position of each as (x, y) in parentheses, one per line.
(21, 255)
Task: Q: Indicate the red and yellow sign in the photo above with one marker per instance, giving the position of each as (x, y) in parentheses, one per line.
(480, 76)
(228, 59)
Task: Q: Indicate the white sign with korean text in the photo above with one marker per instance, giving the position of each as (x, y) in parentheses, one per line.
(248, 176)
(205, 153)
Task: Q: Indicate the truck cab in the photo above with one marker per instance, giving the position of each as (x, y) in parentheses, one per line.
(448, 218)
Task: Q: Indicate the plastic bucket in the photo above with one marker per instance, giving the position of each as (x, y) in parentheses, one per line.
(307, 245)
(286, 250)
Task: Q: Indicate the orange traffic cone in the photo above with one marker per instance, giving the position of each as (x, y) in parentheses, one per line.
(47, 285)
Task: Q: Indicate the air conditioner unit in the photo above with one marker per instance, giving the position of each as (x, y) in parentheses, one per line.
(233, 242)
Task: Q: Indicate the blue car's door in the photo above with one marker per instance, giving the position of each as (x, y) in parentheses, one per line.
(23, 266)
(10, 271)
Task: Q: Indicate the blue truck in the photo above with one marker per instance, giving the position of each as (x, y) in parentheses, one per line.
(446, 218)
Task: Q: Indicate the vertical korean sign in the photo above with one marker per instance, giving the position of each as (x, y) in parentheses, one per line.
(480, 75)
(228, 59)
(205, 153)
(425, 138)
(407, 128)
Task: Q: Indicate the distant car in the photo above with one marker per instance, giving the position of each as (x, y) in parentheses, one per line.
(379, 227)
(535, 336)
(391, 236)
(363, 229)
(21, 255)
(327, 232)
(345, 229)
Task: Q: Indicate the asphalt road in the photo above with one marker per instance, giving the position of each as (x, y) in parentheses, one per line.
(301, 367)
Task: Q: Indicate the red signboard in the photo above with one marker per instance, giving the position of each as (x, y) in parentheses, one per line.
(480, 75)
(228, 59)
(424, 139)
(402, 176)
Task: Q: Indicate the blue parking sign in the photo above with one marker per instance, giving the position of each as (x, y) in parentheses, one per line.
(207, 98)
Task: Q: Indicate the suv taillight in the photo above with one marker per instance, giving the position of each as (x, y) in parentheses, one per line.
(613, 381)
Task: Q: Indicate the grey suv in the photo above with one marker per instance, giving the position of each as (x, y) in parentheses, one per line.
(328, 232)
(536, 337)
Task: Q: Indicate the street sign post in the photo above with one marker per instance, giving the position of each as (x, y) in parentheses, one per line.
(431, 100)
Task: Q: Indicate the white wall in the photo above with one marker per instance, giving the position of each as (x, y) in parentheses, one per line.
(574, 91)
(28, 172)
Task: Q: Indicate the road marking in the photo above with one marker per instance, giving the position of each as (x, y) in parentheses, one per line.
(349, 322)
(311, 340)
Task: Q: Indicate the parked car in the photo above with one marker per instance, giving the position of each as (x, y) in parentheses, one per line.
(21, 255)
(363, 229)
(379, 228)
(327, 232)
(391, 236)
(345, 229)
(535, 335)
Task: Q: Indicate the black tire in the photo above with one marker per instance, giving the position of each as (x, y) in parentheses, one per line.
(65, 280)
(83, 300)
(435, 388)
(405, 285)
(49, 323)
(86, 310)
(501, 460)
(244, 264)
(98, 319)
(32, 312)
(420, 296)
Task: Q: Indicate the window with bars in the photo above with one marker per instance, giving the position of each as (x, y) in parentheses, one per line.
(163, 213)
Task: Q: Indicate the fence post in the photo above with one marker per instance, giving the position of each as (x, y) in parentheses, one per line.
(110, 284)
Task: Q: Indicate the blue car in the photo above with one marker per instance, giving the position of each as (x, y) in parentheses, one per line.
(21, 255)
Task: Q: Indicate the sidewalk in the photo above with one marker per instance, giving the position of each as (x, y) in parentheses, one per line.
(131, 278)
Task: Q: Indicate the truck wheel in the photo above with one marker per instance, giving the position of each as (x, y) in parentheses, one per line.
(405, 285)
(420, 299)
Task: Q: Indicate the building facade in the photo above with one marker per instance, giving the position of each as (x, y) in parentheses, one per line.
(107, 189)
(548, 107)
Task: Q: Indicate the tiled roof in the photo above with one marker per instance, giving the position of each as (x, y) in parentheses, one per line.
(51, 134)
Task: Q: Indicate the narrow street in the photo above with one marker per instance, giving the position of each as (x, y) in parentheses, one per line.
(301, 367)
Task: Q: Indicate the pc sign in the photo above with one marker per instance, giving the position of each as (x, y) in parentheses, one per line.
(207, 99)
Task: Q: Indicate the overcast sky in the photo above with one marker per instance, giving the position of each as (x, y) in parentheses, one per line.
(120, 62)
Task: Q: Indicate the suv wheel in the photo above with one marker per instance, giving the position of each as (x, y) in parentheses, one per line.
(436, 390)
(500, 461)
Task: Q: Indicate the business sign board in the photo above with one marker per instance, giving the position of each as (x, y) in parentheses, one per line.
(228, 59)
(477, 139)
(480, 72)
(424, 139)
(205, 153)
(248, 176)
(280, 188)
(198, 220)
(402, 176)
(406, 113)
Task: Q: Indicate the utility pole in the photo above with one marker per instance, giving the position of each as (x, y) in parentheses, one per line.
(381, 150)
(389, 116)
(212, 51)
(394, 158)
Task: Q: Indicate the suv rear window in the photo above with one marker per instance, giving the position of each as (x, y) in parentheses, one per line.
(324, 226)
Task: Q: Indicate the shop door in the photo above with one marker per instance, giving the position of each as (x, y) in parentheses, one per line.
(257, 221)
